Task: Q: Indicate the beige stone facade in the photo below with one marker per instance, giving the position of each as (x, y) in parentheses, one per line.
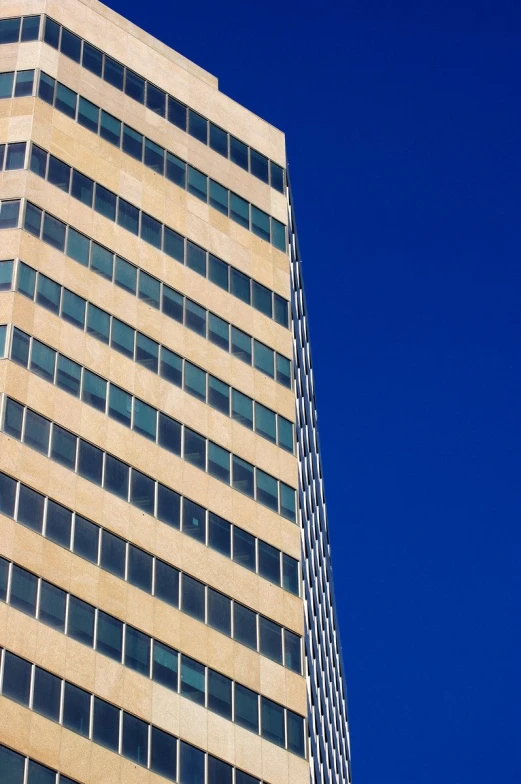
(31, 120)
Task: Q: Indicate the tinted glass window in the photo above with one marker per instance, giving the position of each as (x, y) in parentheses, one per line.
(219, 331)
(176, 113)
(137, 650)
(156, 99)
(176, 170)
(48, 294)
(98, 323)
(68, 376)
(147, 352)
(58, 523)
(132, 143)
(197, 126)
(244, 548)
(267, 490)
(218, 140)
(122, 338)
(142, 491)
(9, 30)
(283, 371)
(90, 462)
(17, 678)
(219, 534)
(23, 590)
(139, 568)
(290, 578)
(169, 434)
(281, 311)
(113, 551)
(94, 391)
(172, 304)
(128, 216)
(191, 764)
(287, 501)
(105, 200)
(59, 173)
(219, 772)
(135, 739)
(194, 520)
(194, 448)
(270, 643)
(109, 636)
(120, 405)
(116, 477)
(192, 596)
(30, 28)
(218, 462)
(264, 358)
(272, 721)
(277, 177)
(171, 367)
(78, 247)
(36, 432)
(260, 225)
(24, 83)
(134, 86)
(242, 476)
(285, 434)
(52, 606)
(262, 298)
(166, 585)
(101, 261)
(245, 626)
(105, 724)
(113, 72)
(47, 694)
(192, 680)
(195, 381)
(86, 539)
(168, 506)
(92, 59)
(265, 422)
(145, 419)
(30, 508)
(149, 289)
(13, 419)
(219, 197)
(163, 754)
(73, 308)
(219, 272)
(65, 102)
(269, 562)
(241, 345)
(164, 666)
(70, 45)
(80, 623)
(292, 651)
(246, 708)
(6, 85)
(240, 285)
(219, 612)
(76, 709)
(196, 258)
(195, 317)
(239, 153)
(110, 130)
(125, 275)
(33, 220)
(259, 165)
(295, 725)
(7, 495)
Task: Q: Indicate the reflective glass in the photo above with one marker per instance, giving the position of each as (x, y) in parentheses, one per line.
(192, 597)
(30, 28)
(24, 83)
(76, 709)
(241, 345)
(266, 490)
(7, 495)
(101, 261)
(219, 612)
(169, 434)
(145, 419)
(191, 768)
(92, 59)
(36, 433)
(218, 197)
(30, 508)
(120, 405)
(73, 308)
(287, 502)
(65, 102)
(219, 534)
(142, 491)
(163, 754)
(168, 506)
(260, 225)
(110, 130)
(259, 165)
(270, 639)
(285, 439)
(197, 184)
(70, 45)
(122, 338)
(219, 772)
(154, 156)
(176, 170)
(265, 422)
(59, 173)
(281, 311)
(242, 409)
(137, 650)
(166, 586)
(176, 113)
(58, 523)
(295, 726)
(9, 212)
(10, 30)
(47, 694)
(194, 519)
(90, 462)
(269, 562)
(105, 202)
(218, 140)
(240, 285)
(290, 577)
(52, 606)
(194, 448)
(33, 219)
(17, 678)
(134, 86)
(246, 708)
(48, 292)
(139, 570)
(51, 33)
(156, 99)
(195, 317)
(195, 381)
(239, 153)
(192, 680)
(135, 739)
(220, 694)
(147, 352)
(6, 84)
(128, 216)
(292, 653)
(171, 367)
(68, 375)
(113, 72)
(78, 247)
(116, 477)
(283, 371)
(218, 331)
(218, 272)
(262, 299)
(98, 323)
(13, 419)
(242, 476)
(105, 724)
(132, 143)
(125, 275)
(23, 590)
(196, 258)
(263, 358)
(113, 553)
(173, 245)
(272, 721)
(164, 665)
(80, 622)
(172, 303)
(197, 126)
(244, 626)
(277, 177)
(149, 289)
(218, 395)
(15, 156)
(218, 462)
(45, 92)
(244, 548)
(278, 235)
(109, 636)
(94, 390)
(86, 539)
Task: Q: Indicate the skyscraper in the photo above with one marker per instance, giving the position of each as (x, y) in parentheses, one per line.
(166, 599)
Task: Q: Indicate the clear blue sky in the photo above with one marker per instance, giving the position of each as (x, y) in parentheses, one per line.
(403, 130)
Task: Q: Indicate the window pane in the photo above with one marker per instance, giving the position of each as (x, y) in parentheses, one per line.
(220, 694)
(15, 156)
(78, 247)
(92, 59)
(105, 202)
(260, 225)
(194, 450)
(156, 99)
(86, 539)
(172, 304)
(192, 596)
(154, 156)
(33, 220)
(264, 358)
(219, 772)
(13, 419)
(168, 506)
(113, 72)
(272, 721)
(259, 165)
(218, 462)
(47, 694)
(192, 680)
(281, 311)
(283, 371)
(244, 548)
(135, 739)
(68, 376)
(219, 331)
(219, 535)
(239, 210)
(242, 409)
(3, 332)
(24, 84)
(98, 323)
(70, 45)
(287, 502)
(134, 86)
(73, 308)
(137, 650)
(30, 508)
(240, 285)
(52, 606)
(102, 261)
(169, 434)
(132, 143)
(48, 292)
(244, 626)
(58, 522)
(110, 130)
(7, 495)
(295, 733)
(6, 84)
(139, 568)
(197, 184)
(239, 153)
(218, 140)
(149, 289)
(176, 113)
(219, 272)
(270, 643)
(126, 275)
(122, 338)
(277, 177)
(292, 653)
(163, 754)
(17, 678)
(196, 258)
(105, 725)
(195, 317)
(20, 347)
(269, 562)
(94, 390)
(173, 245)
(63, 447)
(4, 572)
(142, 491)
(113, 550)
(109, 636)
(9, 212)
(218, 197)
(219, 612)
(120, 405)
(80, 623)
(191, 765)
(166, 585)
(36, 432)
(145, 419)
(40, 774)
(23, 590)
(45, 92)
(266, 490)
(265, 422)
(262, 299)
(59, 173)
(176, 170)
(194, 519)
(51, 33)
(197, 126)
(285, 434)
(242, 476)
(241, 345)
(278, 235)
(9, 30)
(164, 667)
(116, 477)
(171, 367)
(76, 709)
(128, 216)
(195, 381)
(90, 462)
(147, 352)
(219, 395)
(290, 577)
(246, 708)
(65, 102)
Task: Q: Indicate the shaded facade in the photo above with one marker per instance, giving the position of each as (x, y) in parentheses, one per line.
(166, 601)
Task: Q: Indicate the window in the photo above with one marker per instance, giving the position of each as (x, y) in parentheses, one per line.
(197, 126)
(195, 381)
(78, 247)
(165, 665)
(239, 153)
(105, 725)
(244, 548)
(105, 201)
(15, 156)
(242, 476)
(176, 170)
(295, 727)
(244, 626)
(277, 177)
(24, 84)
(109, 636)
(262, 296)
(285, 439)
(239, 210)
(241, 345)
(283, 371)
(267, 493)
(147, 352)
(135, 739)
(142, 491)
(260, 225)
(292, 651)
(259, 165)
(154, 156)
(47, 694)
(6, 85)
(242, 409)
(246, 708)
(287, 502)
(149, 289)
(94, 391)
(192, 598)
(219, 462)
(110, 130)
(116, 477)
(272, 721)
(113, 553)
(219, 772)
(269, 562)
(36, 433)
(52, 606)
(264, 358)
(240, 285)
(156, 99)
(70, 45)
(39, 774)
(278, 235)
(68, 376)
(219, 535)
(7, 495)
(196, 258)
(219, 272)
(218, 197)
(59, 173)
(172, 304)
(168, 506)
(86, 539)
(270, 639)
(23, 590)
(132, 143)
(281, 311)
(58, 523)
(9, 30)
(80, 623)
(120, 405)
(98, 323)
(122, 338)
(101, 261)
(176, 113)
(113, 73)
(17, 678)
(48, 293)
(137, 650)
(169, 434)
(194, 520)
(163, 753)
(192, 680)
(90, 462)
(166, 585)
(76, 709)
(128, 216)
(139, 568)
(45, 92)
(30, 508)
(65, 102)
(290, 575)
(218, 331)
(9, 211)
(73, 308)
(219, 612)
(191, 764)
(265, 422)
(171, 367)
(195, 317)
(145, 419)
(125, 276)
(134, 86)
(92, 59)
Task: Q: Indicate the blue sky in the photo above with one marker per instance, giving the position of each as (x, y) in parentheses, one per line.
(403, 129)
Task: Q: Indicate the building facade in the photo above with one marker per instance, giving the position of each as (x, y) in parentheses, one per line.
(166, 596)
